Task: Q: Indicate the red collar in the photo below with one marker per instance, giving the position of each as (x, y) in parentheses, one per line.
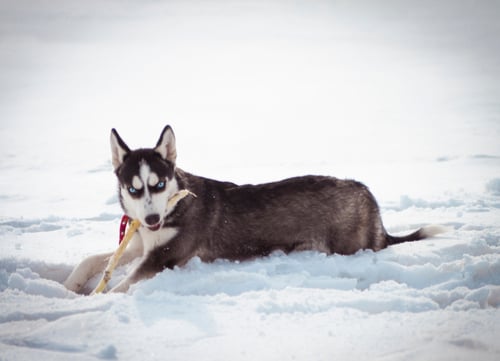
(123, 226)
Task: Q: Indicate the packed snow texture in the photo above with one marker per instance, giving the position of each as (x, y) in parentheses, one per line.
(403, 96)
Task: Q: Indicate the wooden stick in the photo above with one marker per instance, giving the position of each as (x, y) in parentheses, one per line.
(172, 201)
(113, 261)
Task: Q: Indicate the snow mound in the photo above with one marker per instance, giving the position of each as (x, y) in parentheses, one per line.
(441, 279)
(493, 186)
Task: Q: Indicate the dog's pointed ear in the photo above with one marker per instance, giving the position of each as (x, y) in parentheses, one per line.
(166, 145)
(118, 149)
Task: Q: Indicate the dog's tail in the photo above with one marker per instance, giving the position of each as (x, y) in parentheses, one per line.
(422, 233)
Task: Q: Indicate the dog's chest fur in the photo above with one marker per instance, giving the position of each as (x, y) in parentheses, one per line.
(154, 239)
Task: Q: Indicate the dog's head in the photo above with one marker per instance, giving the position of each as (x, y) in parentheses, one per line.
(145, 178)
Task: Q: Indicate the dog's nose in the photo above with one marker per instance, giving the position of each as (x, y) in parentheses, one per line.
(152, 219)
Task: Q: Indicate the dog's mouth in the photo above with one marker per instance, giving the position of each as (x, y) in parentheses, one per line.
(155, 227)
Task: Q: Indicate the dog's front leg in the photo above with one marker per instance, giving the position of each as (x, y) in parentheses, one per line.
(96, 264)
(87, 269)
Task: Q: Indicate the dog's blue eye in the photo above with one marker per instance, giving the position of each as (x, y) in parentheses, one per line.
(132, 190)
(160, 185)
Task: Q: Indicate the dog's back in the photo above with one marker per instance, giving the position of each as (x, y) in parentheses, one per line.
(304, 213)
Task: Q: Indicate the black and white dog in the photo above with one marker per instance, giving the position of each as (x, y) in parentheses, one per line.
(232, 222)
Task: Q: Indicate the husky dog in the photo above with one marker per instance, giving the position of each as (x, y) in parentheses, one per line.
(232, 222)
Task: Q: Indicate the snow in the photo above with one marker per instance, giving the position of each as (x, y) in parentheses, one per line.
(403, 96)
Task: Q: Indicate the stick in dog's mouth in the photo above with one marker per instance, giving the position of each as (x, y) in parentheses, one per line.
(171, 203)
(183, 193)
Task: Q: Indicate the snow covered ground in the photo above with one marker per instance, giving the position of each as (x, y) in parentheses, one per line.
(403, 96)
